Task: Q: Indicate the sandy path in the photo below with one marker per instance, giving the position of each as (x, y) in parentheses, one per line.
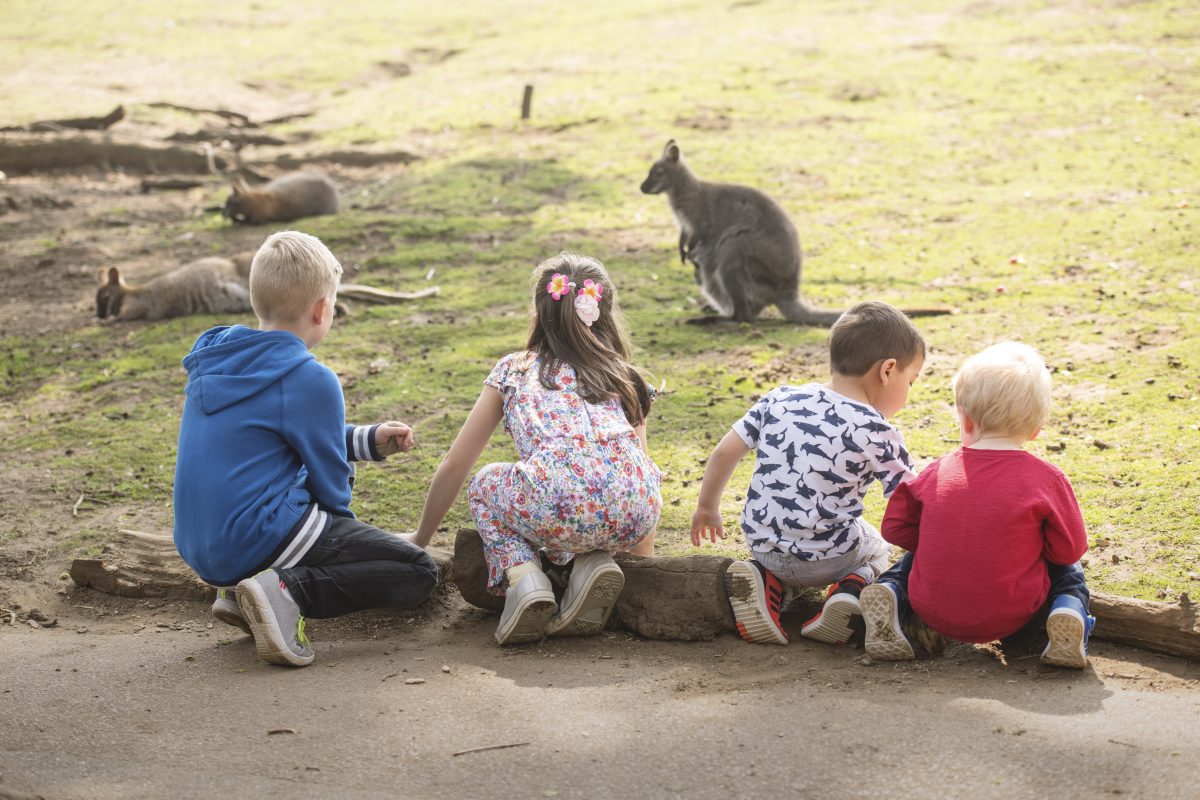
(187, 713)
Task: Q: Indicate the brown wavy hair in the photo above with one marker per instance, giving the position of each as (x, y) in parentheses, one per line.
(599, 354)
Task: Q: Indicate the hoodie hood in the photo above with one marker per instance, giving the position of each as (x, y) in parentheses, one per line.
(231, 364)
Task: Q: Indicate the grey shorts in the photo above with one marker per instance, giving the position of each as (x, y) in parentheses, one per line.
(869, 558)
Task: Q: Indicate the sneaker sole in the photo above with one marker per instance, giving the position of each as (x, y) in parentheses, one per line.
(884, 641)
(744, 586)
(595, 605)
(528, 623)
(233, 619)
(1066, 642)
(268, 638)
(832, 625)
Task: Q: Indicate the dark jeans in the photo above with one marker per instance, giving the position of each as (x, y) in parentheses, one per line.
(354, 566)
(1063, 580)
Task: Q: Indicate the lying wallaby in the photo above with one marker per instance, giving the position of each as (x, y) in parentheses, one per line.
(210, 286)
(295, 195)
(744, 247)
(206, 286)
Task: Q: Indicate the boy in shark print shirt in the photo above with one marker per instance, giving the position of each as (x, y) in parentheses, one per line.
(818, 449)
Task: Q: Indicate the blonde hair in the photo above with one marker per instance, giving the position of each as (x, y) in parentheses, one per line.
(290, 272)
(598, 353)
(1005, 390)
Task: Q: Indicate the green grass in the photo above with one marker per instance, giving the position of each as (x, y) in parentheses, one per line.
(1031, 164)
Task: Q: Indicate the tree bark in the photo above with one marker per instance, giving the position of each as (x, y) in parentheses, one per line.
(21, 154)
(670, 598)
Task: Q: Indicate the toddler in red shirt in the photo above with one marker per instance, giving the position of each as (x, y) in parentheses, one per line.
(993, 533)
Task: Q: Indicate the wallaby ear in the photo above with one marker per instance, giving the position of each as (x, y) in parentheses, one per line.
(671, 151)
(114, 276)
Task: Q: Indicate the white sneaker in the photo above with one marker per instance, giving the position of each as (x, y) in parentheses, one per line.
(885, 641)
(592, 591)
(528, 607)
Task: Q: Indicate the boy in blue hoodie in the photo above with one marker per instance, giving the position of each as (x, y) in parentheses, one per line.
(263, 475)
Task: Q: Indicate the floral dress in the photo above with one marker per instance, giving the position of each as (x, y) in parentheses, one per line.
(583, 481)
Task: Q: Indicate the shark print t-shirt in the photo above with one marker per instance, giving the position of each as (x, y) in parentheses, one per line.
(817, 452)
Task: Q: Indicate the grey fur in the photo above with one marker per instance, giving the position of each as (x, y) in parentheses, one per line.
(206, 286)
(744, 247)
(292, 196)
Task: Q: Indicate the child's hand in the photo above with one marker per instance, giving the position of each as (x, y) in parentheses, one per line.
(394, 437)
(706, 523)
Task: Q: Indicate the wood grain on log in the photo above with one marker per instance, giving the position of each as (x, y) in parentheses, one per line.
(138, 564)
(1166, 627)
(680, 598)
(21, 154)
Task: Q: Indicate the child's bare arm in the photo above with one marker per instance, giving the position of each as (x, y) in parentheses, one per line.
(706, 521)
(453, 471)
(646, 546)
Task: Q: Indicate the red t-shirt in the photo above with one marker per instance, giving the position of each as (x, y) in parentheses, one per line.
(981, 524)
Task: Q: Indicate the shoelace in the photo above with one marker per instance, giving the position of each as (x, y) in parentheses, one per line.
(300, 635)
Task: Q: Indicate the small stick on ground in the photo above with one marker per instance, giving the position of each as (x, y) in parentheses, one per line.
(232, 116)
(78, 503)
(490, 747)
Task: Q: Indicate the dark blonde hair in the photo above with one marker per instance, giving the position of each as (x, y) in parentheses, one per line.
(599, 354)
(869, 333)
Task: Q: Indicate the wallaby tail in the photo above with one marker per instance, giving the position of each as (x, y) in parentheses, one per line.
(936, 311)
(796, 311)
(369, 294)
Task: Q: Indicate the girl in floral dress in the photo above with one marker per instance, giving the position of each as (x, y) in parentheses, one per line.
(584, 486)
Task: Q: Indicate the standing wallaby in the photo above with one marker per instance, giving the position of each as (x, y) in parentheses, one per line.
(744, 247)
(206, 286)
(295, 195)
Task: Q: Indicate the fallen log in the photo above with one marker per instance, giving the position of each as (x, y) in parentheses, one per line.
(76, 123)
(684, 598)
(21, 154)
(677, 598)
(169, 184)
(139, 564)
(345, 158)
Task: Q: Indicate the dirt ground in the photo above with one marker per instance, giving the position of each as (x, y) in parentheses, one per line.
(138, 699)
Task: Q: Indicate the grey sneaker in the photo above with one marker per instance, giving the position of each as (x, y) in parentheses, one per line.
(885, 640)
(225, 608)
(596, 580)
(275, 620)
(528, 607)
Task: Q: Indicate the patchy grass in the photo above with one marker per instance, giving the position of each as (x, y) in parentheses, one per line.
(1029, 163)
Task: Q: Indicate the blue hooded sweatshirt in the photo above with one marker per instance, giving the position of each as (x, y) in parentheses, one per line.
(264, 453)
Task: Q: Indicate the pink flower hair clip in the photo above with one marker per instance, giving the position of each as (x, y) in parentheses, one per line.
(587, 302)
(559, 285)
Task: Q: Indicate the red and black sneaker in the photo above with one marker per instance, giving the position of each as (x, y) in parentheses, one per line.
(832, 623)
(756, 597)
